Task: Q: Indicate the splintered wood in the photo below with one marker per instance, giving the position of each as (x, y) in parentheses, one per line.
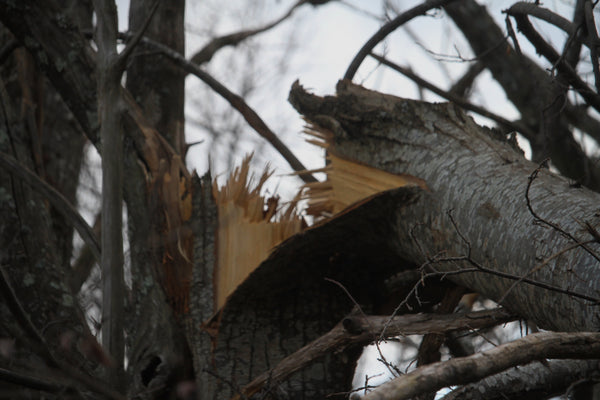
(250, 226)
(348, 182)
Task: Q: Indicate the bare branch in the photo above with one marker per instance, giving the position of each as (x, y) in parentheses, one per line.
(538, 346)
(546, 50)
(454, 98)
(593, 39)
(135, 39)
(389, 28)
(233, 39)
(358, 330)
(56, 198)
(110, 107)
(7, 49)
(236, 102)
(533, 381)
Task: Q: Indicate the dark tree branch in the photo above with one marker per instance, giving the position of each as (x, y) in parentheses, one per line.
(29, 381)
(546, 50)
(238, 103)
(454, 98)
(110, 110)
(457, 371)
(358, 330)
(463, 86)
(594, 41)
(389, 28)
(135, 39)
(531, 90)
(233, 39)
(532, 381)
(56, 198)
(7, 49)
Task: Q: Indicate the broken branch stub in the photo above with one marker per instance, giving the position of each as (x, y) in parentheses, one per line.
(473, 172)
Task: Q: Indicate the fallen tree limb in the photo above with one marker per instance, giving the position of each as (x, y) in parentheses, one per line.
(358, 330)
(490, 237)
(537, 346)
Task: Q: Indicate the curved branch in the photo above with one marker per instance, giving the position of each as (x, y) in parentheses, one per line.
(56, 198)
(389, 28)
(360, 330)
(237, 102)
(548, 52)
(208, 51)
(538, 346)
(454, 98)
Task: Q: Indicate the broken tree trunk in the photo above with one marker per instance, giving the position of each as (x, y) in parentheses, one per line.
(474, 222)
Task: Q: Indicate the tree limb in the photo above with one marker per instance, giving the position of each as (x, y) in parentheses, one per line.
(238, 103)
(56, 198)
(208, 51)
(532, 381)
(358, 330)
(110, 108)
(387, 29)
(454, 98)
(534, 347)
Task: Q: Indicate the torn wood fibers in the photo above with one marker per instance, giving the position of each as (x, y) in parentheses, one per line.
(250, 225)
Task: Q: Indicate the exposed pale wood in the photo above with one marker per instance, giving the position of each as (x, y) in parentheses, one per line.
(248, 229)
(475, 215)
(348, 182)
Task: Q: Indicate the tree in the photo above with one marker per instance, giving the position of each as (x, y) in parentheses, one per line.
(232, 296)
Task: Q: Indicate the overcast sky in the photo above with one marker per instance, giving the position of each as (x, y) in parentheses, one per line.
(323, 42)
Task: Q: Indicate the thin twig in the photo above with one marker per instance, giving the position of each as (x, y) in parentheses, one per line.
(540, 266)
(557, 228)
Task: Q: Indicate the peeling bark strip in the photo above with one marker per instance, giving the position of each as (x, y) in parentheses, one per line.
(474, 173)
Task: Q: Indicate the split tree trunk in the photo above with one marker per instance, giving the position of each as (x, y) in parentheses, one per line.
(478, 177)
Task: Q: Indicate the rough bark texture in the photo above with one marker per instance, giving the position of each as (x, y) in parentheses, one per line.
(285, 304)
(158, 346)
(30, 253)
(539, 97)
(533, 381)
(482, 180)
(155, 82)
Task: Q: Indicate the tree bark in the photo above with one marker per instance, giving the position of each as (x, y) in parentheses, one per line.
(539, 98)
(474, 174)
(536, 380)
